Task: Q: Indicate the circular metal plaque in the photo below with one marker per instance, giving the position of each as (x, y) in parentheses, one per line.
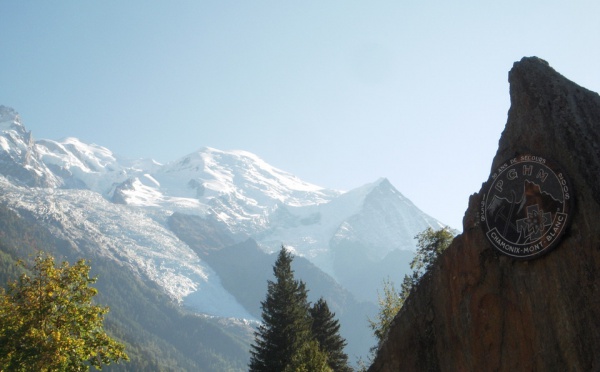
(526, 207)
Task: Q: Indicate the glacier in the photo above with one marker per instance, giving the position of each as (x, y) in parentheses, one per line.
(119, 207)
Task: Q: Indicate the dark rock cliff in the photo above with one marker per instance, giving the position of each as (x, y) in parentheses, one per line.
(479, 310)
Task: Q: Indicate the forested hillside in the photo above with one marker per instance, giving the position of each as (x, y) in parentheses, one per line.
(158, 334)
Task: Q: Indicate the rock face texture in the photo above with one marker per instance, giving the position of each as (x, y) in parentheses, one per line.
(479, 310)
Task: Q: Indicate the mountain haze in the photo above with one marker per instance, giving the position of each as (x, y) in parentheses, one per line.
(202, 229)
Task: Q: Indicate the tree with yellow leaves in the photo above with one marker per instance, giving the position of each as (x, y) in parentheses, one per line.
(49, 323)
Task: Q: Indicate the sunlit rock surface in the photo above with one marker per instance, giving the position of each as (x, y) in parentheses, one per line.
(478, 310)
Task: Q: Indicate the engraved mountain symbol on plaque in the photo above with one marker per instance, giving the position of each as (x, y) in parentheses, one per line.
(478, 309)
(523, 219)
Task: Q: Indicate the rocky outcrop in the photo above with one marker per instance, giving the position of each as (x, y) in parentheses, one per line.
(479, 310)
(19, 159)
(119, 194)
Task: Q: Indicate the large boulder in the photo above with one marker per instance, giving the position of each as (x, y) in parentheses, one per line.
(481, 310)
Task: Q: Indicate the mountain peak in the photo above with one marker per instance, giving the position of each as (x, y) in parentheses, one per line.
(539, 315)
(8, 114)
(9, 119)
(384, 184)
(227, 172)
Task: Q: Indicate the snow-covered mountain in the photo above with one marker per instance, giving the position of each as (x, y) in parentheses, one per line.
(238, 189)
(18, 157)
(120, 208)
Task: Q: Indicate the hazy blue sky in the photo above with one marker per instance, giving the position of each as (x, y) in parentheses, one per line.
(339, 93)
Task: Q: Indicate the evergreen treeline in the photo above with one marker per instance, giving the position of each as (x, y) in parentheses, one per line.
(245, 269)
(294, 335)
(158, 335)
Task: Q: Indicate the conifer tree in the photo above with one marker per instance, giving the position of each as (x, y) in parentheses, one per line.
(325, 330)
(286, 322)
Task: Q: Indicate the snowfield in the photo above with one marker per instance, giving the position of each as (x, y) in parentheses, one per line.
(129, 236)
(119, 208)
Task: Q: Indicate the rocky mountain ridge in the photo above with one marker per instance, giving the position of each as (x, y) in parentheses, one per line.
(236, 189)
(478, 309)
(138, 214)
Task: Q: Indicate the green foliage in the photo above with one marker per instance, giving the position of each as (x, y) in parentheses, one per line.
(361, 365)
(295, 336)
(309, 358)
(48, 321)
(158, 334)
(389, 305)
(325, 330)
(430, 245)
(244, 270)
(286, 320)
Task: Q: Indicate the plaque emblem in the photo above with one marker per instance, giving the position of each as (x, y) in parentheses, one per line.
(526, 206)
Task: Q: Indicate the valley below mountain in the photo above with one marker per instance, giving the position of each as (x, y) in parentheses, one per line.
(193, 240)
